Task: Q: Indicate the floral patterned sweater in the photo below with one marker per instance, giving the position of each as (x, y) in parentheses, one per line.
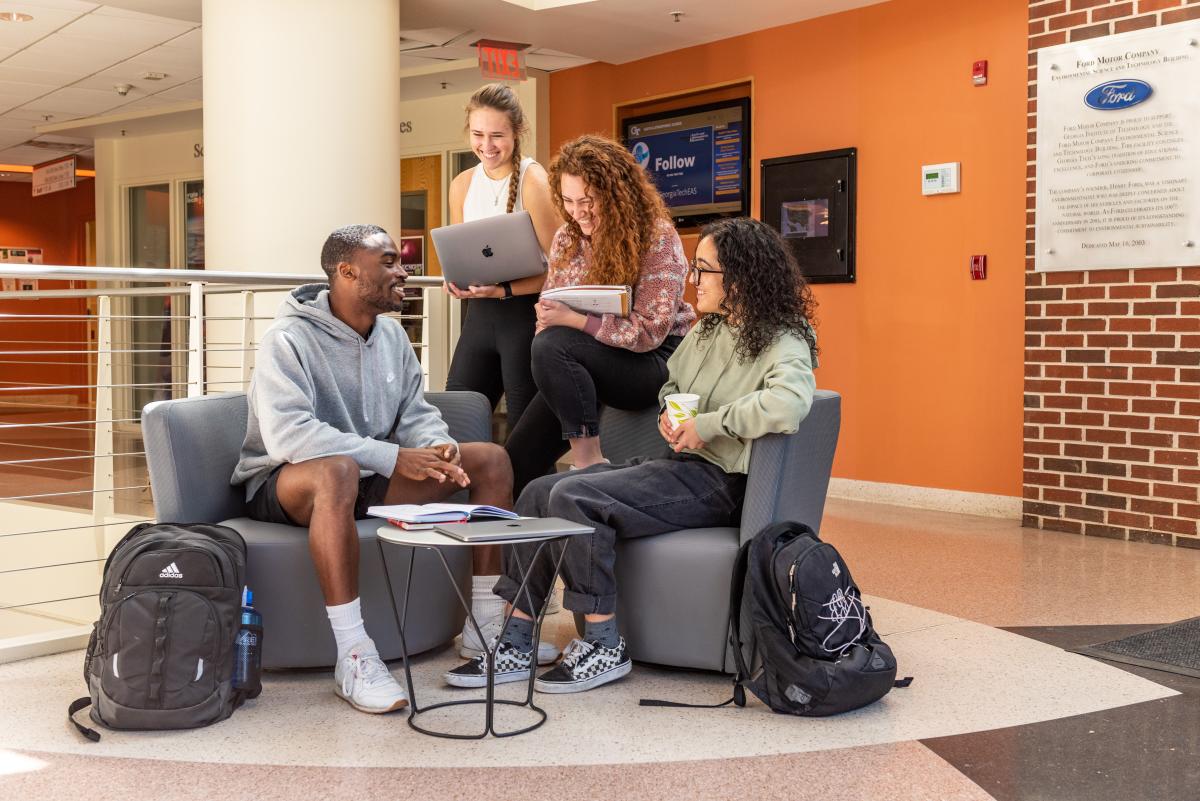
(658, 309)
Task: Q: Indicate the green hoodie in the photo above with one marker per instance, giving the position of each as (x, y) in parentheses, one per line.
(740, 401)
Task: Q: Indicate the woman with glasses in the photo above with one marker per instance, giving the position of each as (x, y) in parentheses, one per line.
(617, 232)
(750, 359)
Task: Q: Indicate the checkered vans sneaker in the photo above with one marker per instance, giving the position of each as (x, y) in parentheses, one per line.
(511, 665)
(585, 665)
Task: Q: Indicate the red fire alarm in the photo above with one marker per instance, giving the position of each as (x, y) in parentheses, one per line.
(979, 73)
(978, 268)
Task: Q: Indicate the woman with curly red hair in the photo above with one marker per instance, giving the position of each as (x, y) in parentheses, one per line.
(617, 231)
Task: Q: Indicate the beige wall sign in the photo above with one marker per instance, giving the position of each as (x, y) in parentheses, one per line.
(54, 176)
(1118, 151)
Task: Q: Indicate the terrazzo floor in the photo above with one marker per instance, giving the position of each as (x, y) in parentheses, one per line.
(985, 709)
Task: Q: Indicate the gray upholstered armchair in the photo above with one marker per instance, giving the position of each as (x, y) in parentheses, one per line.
(192, 446)
(673, 596)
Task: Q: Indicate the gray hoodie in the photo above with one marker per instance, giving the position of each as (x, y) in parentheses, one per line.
(319, 389)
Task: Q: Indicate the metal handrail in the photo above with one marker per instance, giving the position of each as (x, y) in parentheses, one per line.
(150, 275)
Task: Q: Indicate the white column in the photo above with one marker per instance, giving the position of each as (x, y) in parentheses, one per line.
(301, 136)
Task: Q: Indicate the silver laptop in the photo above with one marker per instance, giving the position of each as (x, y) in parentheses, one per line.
(488, 251)
(500, 530)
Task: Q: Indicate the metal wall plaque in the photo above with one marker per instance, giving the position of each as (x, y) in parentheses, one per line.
(1118, 151)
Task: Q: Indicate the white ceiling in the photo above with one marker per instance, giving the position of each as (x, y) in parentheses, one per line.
(615, 31)
(63, 64)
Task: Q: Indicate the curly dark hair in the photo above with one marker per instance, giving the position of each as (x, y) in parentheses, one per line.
(757, 265)
(629, 208)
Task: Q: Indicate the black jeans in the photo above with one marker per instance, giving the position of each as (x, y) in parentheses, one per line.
(641, 498)
(493, 352)
(575, 373)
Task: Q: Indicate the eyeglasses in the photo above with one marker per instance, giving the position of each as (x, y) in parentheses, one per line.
(695, 271)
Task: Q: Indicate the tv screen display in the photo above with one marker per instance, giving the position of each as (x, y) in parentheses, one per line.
(698, 157)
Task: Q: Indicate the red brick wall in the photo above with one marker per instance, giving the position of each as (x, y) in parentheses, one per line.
(1112, 357)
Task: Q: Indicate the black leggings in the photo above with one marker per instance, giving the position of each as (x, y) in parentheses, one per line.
(492, 356)
(576, 374)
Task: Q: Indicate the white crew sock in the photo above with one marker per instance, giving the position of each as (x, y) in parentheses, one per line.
(485, 604)
(347, 623)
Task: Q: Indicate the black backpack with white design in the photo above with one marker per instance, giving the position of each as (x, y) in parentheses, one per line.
(161, 654)
(801, 636)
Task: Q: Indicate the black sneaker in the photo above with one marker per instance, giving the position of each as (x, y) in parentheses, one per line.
(585, 665)
(511, 665)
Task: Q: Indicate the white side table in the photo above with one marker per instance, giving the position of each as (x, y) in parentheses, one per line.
(435, 541)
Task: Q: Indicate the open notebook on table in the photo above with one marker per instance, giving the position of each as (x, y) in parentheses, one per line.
(412, 516)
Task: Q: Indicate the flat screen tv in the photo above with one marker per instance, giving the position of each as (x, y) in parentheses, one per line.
(698, 157)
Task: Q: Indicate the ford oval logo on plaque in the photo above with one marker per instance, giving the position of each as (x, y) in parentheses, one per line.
(1113, 95)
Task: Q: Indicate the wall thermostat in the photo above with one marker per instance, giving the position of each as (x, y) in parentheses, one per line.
(939, 179)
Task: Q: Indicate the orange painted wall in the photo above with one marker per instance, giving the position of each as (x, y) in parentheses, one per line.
(929, 363)
(56, 223)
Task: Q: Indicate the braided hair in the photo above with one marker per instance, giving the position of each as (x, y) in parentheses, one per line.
(502, 98)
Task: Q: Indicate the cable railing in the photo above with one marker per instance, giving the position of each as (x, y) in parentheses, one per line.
(80, 356)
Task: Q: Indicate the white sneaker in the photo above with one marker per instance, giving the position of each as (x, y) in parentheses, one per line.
(365, 683)
(470, 647)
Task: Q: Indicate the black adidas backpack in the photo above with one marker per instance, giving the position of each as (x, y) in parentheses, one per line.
(161, 654)
(796, 611)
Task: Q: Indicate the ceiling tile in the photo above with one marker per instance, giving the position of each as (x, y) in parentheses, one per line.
(135, 34)
(435, 36)
(14, 93)
(143, 103)
(27, 155)
(8, 123)
(130, 72)
(37, 117)
(190, 41)
(192, 90)
(78, 102)
(59, 5)
(38, 77)
(66, 140)
(45, 21)
(172, 10)
(169, 59)
(10, 138)
(69, 54)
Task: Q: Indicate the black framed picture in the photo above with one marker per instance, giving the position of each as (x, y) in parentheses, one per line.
(810, 200)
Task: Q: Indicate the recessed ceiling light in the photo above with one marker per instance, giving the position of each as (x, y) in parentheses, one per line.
(14, 16)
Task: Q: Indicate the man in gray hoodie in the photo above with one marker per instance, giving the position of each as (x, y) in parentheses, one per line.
(338, 422)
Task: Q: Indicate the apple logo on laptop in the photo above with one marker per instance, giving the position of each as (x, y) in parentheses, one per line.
(487, 251)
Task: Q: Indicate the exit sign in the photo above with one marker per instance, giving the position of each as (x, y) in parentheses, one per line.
(501, 61)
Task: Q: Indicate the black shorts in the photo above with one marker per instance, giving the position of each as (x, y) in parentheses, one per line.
(265, 506)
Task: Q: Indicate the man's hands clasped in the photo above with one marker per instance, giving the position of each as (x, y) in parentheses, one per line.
(437, 462)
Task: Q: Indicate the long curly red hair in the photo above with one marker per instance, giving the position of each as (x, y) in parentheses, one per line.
(628, 207)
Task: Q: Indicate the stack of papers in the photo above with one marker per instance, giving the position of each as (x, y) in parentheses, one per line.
(593, 298)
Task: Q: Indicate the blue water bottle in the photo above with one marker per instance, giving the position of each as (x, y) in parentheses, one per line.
(247, 649)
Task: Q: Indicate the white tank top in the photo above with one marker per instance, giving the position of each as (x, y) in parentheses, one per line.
(487, 197)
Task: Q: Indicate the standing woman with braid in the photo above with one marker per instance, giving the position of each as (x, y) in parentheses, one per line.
(493, 352)
(492, 355)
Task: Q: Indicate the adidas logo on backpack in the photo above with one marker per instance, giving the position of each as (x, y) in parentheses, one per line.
(170, 571)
